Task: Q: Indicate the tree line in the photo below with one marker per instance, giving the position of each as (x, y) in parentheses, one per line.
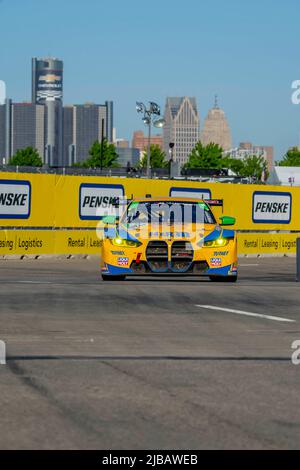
(103, 154)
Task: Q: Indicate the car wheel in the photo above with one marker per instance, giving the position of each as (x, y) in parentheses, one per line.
(107, 277)
(223, 278)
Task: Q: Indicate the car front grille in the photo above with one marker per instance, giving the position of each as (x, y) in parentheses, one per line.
(182, 255)
(157, 256)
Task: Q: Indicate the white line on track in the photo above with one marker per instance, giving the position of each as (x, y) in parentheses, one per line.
(35, 282)
(249, 314)
(248, 264)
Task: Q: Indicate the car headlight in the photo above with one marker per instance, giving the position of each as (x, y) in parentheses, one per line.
(124, 242)
(218, 243)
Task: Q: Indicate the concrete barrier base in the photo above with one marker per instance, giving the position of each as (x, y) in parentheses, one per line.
(87, 257)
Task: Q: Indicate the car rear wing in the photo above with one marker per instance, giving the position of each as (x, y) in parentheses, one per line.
(124, 202)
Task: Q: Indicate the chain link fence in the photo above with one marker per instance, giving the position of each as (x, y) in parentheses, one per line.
(125, 172)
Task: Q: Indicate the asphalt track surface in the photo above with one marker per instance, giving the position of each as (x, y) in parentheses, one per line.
(139, 365)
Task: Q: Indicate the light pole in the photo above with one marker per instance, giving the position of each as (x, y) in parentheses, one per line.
(149, 119)
(171, 150)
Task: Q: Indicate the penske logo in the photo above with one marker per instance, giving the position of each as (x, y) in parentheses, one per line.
(15, 199)
(271, 207)
(99, 200)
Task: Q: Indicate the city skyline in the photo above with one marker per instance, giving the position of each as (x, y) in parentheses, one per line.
(246, 55)
(76, 127)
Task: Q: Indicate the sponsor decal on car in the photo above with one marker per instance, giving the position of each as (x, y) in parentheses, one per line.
(221, 253)
(169, 234)
(119, 253)
(216, 262)
(123, 261)
(271, 207)
(98, 200)
(15, 199)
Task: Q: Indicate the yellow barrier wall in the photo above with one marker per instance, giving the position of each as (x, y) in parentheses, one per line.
(238, 199)
(55, 201)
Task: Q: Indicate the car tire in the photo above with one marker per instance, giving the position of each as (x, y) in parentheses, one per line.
(223, 278)
(108, 277)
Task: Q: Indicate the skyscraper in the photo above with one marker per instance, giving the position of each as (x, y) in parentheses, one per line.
(21, 126)
(47, 80)
(47, 89)
(27, 127)
(82, 126)
(68, 126)
(109, 120)
(181, 128)
(216, 128)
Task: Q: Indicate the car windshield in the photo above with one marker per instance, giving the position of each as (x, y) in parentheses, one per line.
(168, 212)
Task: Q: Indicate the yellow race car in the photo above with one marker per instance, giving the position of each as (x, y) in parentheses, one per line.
(169, 236)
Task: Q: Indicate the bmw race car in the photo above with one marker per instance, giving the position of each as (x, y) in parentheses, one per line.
(169, 236)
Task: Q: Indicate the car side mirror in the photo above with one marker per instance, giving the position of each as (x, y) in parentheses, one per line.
(226, 220)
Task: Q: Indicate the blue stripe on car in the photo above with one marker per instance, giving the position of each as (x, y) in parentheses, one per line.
(228, 233)
(116, 270)
(212, 236)
(219, 271)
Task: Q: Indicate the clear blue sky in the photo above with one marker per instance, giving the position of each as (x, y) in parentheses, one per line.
(126, 50)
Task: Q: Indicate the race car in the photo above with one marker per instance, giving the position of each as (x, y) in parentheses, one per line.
(169, 236)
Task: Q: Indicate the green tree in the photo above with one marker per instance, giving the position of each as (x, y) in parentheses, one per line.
(102, 149)
(234, 164)
(254, 167)
(157, 158)
(206, 156)
(26, 157)
(291, 158)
